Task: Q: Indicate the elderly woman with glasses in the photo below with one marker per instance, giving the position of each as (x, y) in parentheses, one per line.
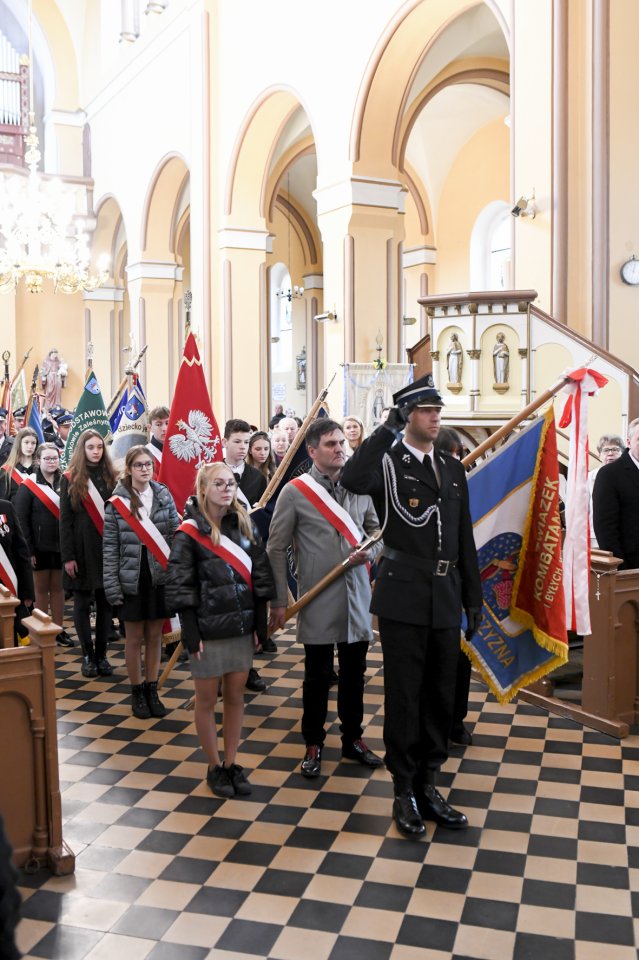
(139, 525)
(219, 579)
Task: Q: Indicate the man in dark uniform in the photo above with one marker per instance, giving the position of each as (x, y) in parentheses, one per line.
(427, 574)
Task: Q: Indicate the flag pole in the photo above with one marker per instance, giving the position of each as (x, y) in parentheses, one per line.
(34, 387)
(507, 428)
(294, 447)
(19, 370)
(341, 568)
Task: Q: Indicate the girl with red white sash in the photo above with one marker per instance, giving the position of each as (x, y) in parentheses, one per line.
(37, 504)
(20, 463)
(139, 525)
(84, 488)
(219, 580)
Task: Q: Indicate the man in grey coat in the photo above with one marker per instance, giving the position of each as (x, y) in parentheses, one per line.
(324, 523)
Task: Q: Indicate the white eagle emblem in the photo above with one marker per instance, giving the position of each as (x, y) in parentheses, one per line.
(196, 442)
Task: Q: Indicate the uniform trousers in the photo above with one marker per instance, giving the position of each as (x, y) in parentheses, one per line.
(462, 689)
(318, 668)
(420, 668)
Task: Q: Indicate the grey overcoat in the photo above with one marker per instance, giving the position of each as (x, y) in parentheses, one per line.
(341, 612)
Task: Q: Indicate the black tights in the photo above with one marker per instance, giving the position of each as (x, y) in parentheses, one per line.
(82, 600)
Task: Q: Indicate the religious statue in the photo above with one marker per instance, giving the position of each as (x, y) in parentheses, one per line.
(501, 359)
(454, 359)
(53, 375)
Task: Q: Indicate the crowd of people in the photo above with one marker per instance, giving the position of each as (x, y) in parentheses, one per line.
(389, 510)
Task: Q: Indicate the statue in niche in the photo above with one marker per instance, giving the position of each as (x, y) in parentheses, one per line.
(501, 359)
(53, 376)
(454, 360)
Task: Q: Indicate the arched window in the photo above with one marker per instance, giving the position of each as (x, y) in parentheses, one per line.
(281, 321)
(490, 248)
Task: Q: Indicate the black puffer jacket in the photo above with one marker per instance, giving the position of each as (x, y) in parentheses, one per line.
(40, 528)
(122, 553)
(201, 583)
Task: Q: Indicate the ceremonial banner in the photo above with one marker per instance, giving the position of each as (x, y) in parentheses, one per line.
(369, 388)
(117, 405)
(514, 501)
(133, 422)
(32, 418)
(90, 414)
(193, 436)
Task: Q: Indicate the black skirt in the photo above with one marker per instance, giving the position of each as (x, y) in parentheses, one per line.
(48, 560)
(148, 603)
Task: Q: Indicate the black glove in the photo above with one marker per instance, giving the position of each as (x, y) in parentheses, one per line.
(473, 617)
(190, 630)
(260, 623)
(396, 419)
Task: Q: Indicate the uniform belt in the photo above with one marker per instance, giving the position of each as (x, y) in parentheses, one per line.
(438, 568)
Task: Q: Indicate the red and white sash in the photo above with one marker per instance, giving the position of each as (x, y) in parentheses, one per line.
(156, 453)
(14, 473)
(93, 504)
(7, 573)
(226, 549)
(45, 495)
(145, 530)
(336, 515)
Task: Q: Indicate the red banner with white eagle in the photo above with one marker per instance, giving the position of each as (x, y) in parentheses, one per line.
(584, 382)
(193, 437)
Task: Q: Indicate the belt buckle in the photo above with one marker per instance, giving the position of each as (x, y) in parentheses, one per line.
(442, 568)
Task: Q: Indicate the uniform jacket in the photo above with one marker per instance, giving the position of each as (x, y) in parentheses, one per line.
(15, 547)
(341, 612)
(79, 539)
(615, 507)
(198, 580)
(122, 549)
(404, 592)
(40, 528)
(5, 448)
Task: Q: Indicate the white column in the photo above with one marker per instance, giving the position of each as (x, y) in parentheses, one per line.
(474, 356)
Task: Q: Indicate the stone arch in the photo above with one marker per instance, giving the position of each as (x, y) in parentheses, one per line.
(391, 71)
(254, 152)
(161, 206)
(109, 236)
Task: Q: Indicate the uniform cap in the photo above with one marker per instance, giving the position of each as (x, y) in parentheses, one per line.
(421, 392)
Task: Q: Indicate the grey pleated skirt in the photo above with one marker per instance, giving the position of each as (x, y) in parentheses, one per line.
(230, 655)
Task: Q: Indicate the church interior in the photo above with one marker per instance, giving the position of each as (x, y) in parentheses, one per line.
(326, 192)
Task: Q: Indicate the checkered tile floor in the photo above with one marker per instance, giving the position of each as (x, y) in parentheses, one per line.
(549, 867)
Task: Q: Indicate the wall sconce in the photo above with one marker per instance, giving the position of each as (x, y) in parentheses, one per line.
(275, 339)
(329, 317)
(525, 207)
(409, 321)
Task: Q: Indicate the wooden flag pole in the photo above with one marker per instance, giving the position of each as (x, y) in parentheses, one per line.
(294, 447)
(19, 370)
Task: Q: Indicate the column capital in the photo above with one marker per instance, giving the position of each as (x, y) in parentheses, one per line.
(239, 239)
(361, 191)
(110, 294)
(313, 281)
(153, 270)
(417, 256)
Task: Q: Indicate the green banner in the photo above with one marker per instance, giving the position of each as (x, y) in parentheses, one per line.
(90, 414)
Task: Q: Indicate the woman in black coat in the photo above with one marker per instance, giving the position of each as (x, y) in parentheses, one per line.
(219, 579)
(37, 504)
(81, 528)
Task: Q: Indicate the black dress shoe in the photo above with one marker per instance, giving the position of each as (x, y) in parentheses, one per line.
(88, 667)
(104, 667)
(64, 640)
(254, 682)
(269, 646)
(406, 815)
(461, 736)
(432, 806)
(312, 762)
(357, 750)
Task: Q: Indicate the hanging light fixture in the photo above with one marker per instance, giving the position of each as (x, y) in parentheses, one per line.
(295, 293)
(38, 239)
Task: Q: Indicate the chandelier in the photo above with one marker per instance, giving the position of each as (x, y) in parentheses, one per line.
(294, 293)
(39, 239)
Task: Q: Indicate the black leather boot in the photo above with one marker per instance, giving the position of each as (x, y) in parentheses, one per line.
(88, 667)
(104, 667)
(156, 707)
(139, 706)
(405, 813)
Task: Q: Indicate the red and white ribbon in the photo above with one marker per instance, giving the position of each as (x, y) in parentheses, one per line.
(156, 453)
(45, 495)
(14, 473)
(584, 382)
(145, 530)
(226, 549)
(7, 573)
(94, 506)
(337, 516)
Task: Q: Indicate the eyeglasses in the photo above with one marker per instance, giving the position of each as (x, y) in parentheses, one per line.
(49, 459)
(224, 484)
(611, 450)
(142, 466)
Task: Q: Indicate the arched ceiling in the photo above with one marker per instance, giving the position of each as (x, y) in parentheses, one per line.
(445, 124)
